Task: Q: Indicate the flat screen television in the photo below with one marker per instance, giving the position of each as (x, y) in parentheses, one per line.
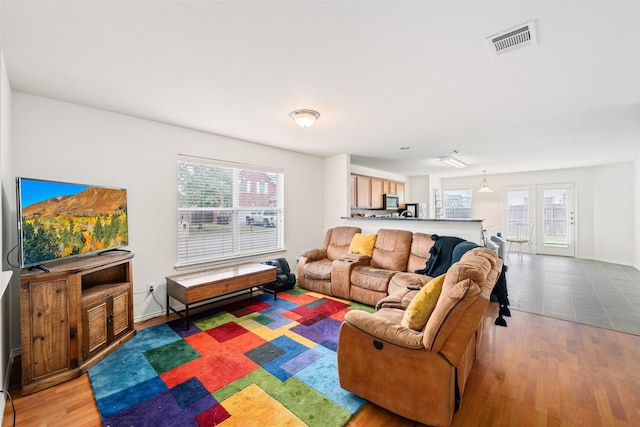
(60, 220)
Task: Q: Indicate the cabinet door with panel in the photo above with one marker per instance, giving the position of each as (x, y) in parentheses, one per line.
(363, 191)
(390, 187)
(376, 193)
(104, 319)
(400, 193)
(46, 337)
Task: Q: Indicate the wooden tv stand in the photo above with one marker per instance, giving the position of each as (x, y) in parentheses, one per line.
(73, 316)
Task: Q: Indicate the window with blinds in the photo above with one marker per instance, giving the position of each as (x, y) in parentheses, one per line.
(457, 204)
(227, 210)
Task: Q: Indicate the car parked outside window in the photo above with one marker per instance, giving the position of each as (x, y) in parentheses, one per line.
(265, 218)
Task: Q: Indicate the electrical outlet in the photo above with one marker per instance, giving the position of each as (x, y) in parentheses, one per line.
(150, 288)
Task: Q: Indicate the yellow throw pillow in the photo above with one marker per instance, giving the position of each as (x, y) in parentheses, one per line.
(422, 304)
(362, 244)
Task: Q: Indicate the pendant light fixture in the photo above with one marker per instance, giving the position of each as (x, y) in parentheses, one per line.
(484, 187)
(304, 118)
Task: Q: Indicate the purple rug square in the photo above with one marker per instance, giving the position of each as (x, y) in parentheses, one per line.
(178, 327)
(326, 329)
(151, 413)
(300, 362)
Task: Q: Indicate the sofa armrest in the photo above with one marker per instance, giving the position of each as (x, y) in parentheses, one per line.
(306, 256)
(341, 275)
(361, 259)
(398, 299)
(385, 330)
(314, 254)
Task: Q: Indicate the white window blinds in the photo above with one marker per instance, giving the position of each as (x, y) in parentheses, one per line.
(224, 213)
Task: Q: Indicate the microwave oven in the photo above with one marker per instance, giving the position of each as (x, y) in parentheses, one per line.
(390, 201)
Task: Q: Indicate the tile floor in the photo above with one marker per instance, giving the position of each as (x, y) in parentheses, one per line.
(585, 291)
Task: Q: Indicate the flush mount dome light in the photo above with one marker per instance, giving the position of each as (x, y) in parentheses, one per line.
(304, 118)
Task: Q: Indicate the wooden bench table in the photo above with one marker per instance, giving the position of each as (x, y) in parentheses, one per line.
(200, 286)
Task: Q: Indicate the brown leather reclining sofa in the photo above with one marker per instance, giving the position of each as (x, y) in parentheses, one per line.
(333, 271)
(418, 374)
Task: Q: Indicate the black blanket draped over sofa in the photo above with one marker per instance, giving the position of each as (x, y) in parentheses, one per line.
(447, 250)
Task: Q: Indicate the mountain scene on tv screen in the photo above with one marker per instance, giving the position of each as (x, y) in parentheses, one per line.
(91, 220)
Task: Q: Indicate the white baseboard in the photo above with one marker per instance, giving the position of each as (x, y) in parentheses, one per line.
(7, 381)
(148, 316)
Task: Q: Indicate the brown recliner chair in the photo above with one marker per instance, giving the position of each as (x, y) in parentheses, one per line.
(420, 375)
(314, 265)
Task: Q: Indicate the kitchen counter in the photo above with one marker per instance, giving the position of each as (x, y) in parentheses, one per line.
(468, 229)
(402, 218)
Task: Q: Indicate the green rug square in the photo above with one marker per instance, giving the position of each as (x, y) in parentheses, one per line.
(263, 320)
(169, 356)
(297, 291)
(219, 319)
(357, 306)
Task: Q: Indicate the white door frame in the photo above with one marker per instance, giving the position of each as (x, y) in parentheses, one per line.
(563, 249)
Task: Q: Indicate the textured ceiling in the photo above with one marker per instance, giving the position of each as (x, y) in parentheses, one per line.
(382, 75)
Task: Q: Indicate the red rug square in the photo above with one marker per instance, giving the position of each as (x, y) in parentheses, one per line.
(227, 331)
(212, 416)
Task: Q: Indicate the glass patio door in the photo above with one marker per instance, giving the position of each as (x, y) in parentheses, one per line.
(555, 220)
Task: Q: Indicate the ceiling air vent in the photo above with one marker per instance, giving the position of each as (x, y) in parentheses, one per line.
(513, 38)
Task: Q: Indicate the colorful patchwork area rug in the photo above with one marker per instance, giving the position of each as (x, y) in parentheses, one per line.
(256, 362)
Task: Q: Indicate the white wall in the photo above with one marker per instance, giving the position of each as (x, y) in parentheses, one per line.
(421, 191)
(614, 213)
(604, 200)
(62, 141)
(636, 219)
(5, 219)
(336, 192)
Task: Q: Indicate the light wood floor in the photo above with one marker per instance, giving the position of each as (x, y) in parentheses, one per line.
(538, 371)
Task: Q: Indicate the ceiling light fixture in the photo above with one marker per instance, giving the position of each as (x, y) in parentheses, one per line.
(452, 161)
(304, 118)
(484, 187)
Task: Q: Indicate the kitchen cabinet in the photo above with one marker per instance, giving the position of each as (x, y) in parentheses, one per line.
(400, 193)
(363, 191)
(367, 191)
(376, 193)
(390, 187)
